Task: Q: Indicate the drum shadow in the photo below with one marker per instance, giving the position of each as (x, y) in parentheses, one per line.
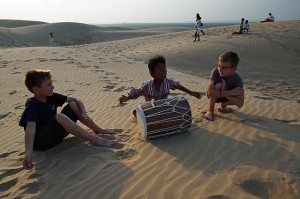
(213, 152)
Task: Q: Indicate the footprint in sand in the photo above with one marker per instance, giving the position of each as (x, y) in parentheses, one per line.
(110, 86)
(12, 92)
(19, 107)
(264, 98)
(255, 188)
(28, 60)
(253, 121)
(121, 89)
(286, 121)
(218, 197)
(125, 154)
(2, 116)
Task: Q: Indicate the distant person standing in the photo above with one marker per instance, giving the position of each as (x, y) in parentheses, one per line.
(269, 19)
(246, 27)
(52, 39)
(198, 27)
(241, 27)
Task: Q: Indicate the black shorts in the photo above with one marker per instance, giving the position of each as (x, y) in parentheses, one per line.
(52, 133)
(221, 100)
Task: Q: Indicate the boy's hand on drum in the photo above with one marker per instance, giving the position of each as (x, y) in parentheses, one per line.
(123, 99)
(196, 94)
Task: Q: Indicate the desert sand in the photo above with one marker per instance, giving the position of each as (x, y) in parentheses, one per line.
(253, 152)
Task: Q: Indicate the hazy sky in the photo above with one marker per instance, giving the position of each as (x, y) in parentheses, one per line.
(147, 11)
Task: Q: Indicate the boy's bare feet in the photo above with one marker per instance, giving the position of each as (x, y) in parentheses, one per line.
(103, 142)
(225, 110)
(209, 116)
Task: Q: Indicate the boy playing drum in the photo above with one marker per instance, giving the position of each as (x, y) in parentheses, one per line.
(159, 87)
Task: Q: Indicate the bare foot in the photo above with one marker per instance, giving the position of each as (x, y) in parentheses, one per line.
(104, 142)
(209, 116)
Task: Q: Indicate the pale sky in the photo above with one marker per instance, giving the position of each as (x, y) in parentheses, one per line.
(147, 11)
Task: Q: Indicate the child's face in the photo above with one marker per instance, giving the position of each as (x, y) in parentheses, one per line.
(46, 89)
(225, 69)
(160, 72)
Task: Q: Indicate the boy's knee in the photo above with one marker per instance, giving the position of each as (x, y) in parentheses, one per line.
(60, 117)
(218, 86)
(73, 106)
(240, 105)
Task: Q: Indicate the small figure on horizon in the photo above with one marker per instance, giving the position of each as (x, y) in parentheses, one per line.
(269, 19)
(52, 39)
(241, 27)
(198, 27)
(225, 85)
(246, 27)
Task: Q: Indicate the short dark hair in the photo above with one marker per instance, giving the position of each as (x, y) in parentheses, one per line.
(35, 78)
(154, 61)
(230, 57)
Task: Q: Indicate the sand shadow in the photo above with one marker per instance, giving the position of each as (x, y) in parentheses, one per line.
(74, 168)
(213, 152)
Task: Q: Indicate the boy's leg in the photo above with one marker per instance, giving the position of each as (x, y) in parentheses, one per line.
(209, 115)
(87, 122)
(213, 100)
(233, 100)
(72, 128)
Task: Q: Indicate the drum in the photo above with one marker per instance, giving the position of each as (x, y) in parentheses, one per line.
(164, 117)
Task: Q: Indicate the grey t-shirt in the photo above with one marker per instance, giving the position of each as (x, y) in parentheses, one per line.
(231, 82)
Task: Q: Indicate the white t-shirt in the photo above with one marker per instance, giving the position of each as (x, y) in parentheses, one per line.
(246, 26)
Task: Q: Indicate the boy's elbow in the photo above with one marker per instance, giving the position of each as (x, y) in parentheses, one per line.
(240, 104)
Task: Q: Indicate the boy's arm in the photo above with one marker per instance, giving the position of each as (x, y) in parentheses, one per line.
(193, 93)
(29, 140)
(211, 92)
(134, 94)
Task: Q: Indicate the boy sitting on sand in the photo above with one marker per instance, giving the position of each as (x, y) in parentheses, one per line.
(225, 85)
(44, 127)
(159, 87)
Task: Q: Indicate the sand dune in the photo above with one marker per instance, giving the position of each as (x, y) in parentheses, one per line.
(26, 33)
(9, 23)
(252, 153)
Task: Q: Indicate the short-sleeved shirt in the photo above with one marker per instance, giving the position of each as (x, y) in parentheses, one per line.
(39, 112)
(231, 82)
(246, 26)
(148, 88)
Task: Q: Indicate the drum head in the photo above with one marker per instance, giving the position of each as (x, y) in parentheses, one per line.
(141, 119)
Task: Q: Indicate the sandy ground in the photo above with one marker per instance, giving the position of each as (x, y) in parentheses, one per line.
(253, 152)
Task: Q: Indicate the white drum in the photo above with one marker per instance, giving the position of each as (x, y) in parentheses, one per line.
(164, 117)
